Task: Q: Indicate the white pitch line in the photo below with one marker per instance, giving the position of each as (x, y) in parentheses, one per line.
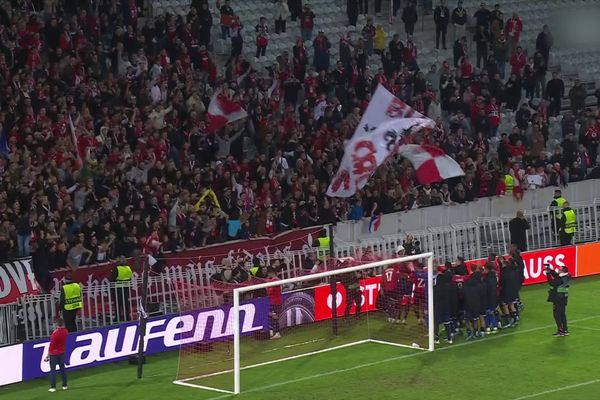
(586, 327)
(560, 389)
(391, 359)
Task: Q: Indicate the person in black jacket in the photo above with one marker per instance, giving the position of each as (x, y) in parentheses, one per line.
(442, 303)
(558, 295)
(490, 283)
(555, 91)
(518, 227)
(409, 17)
(441, 16)
(509, 291)
(474, 304)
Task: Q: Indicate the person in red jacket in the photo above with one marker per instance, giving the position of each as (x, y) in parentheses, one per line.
(512, 30)
(275, 302)
(410, 54)
(56, 354)
(518, 61)
(493, 112)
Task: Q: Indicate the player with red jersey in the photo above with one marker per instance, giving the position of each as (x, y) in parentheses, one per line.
(418, 299)
(389, 289)
(275, 302)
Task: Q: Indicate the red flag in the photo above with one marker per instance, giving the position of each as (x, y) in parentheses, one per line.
(222, 111)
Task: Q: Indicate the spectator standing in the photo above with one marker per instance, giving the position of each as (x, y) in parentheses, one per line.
(512, 30)
(483, 17)
(555, 91)
(352, 11)
(441, 17)
(482, 43)
(540, 67)
(409, 17)
(206, 22)
(262, 37)
(282, 12)
(24, 231)
(368, 34)
(226, 18)
(518, 61)
(577, 95)
(544, 42)
(307, 23)
(496, 23)
(70, 301)
(410, 55)
(363, 6)
(56, 354)
(459, 21)
(500, 52)
(321, 47)
(518, 227)
(295, 7)
(592, 140)
(237, 41)
(459, 50)
(557, 205)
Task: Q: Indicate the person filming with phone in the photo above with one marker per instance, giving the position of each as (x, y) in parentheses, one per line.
(558, 294)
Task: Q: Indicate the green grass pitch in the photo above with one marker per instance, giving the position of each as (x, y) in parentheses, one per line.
(519, 363)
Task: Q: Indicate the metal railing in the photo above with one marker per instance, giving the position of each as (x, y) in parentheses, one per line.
(484, 236)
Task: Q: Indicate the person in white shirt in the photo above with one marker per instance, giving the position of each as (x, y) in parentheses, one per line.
(282, 12)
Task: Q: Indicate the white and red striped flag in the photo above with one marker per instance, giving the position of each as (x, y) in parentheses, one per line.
(222, 111)
(431, 164)
(378, 136)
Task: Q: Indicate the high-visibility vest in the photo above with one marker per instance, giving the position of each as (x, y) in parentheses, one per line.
(560, 201)
(323, 246)
(73, 299)
(254, 270)
(570, 221)
(124, 273)
(509, 183)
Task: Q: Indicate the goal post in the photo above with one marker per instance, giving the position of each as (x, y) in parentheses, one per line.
(377, 265)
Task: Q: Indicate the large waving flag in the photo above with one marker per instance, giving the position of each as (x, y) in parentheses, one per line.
(222, 111)
(431, 163)
(378, 136)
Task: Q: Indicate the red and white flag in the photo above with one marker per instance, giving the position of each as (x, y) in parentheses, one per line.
(222, 111)
(378, 136)
(430, 162)
(274, 95)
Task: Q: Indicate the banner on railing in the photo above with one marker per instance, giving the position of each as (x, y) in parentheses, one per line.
(16, 279)
(278, 246)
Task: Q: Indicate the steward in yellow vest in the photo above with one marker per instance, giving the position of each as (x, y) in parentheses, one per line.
(71, 300)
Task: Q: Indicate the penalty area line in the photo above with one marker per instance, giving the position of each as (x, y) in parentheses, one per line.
(560, 389)
(397, 358)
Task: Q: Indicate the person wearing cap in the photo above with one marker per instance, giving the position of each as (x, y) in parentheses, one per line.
(121, 275)
(558, 295)
(568, 225)
(71, 301)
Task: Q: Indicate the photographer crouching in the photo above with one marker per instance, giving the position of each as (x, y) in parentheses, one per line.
(558, 295)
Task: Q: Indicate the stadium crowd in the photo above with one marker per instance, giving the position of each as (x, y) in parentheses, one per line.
(107, 149)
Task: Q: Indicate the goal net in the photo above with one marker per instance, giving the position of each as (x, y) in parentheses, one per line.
(281, 330)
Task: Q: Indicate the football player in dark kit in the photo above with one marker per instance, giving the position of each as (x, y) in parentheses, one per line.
(474, 305)
(442, 296)
(510, 281)
(490, 281)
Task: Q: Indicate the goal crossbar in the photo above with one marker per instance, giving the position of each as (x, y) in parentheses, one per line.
(238, 291)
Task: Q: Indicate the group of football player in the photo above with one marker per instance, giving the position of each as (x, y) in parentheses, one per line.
(477, 300)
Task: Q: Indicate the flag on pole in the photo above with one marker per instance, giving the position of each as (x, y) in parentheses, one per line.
(378, 135)
(222, 111)
(274, 95)
(79, 151)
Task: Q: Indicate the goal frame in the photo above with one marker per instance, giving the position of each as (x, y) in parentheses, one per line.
(238, 291)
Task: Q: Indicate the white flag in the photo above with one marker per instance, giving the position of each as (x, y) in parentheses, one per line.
(378, 135)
